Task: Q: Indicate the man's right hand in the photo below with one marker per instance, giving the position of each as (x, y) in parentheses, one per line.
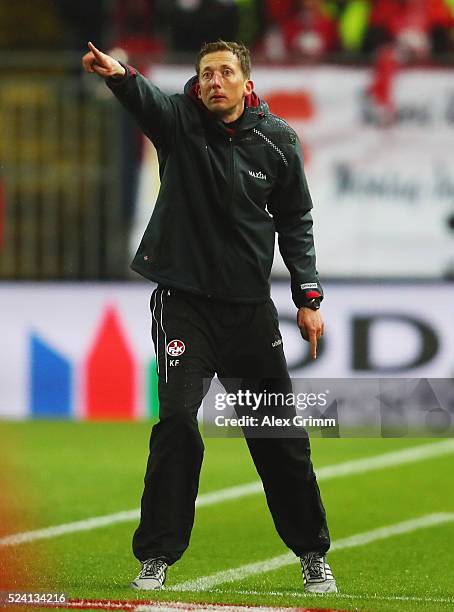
(101, 63)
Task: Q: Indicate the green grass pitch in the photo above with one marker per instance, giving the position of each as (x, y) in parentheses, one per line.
(62, 472)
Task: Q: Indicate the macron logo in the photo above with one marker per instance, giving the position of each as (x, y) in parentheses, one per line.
(258, 175)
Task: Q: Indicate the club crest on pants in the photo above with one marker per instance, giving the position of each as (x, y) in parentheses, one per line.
(175, 348)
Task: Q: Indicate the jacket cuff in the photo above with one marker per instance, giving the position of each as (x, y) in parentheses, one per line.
(129, 72)
(303, 293)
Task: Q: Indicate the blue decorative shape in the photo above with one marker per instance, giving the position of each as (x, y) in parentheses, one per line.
(50, 381)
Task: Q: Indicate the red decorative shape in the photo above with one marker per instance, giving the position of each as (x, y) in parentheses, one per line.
(292, 104)
(109, 373)
(312, 294)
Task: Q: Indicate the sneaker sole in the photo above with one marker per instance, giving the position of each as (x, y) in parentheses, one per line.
(323, 587)
(146, 587)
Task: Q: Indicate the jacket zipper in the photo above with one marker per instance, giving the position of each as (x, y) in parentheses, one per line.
(229, 201)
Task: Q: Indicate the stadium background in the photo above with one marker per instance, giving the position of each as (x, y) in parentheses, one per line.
(369, 87)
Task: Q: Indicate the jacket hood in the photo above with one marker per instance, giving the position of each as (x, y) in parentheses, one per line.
(258, 109)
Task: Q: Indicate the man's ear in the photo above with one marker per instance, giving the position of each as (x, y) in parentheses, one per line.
(197, 91)
(248, 87)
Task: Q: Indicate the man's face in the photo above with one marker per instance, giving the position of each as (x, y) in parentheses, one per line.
(223, 85)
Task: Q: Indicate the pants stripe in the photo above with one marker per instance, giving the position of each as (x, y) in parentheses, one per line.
(157, 335)
(164, 334)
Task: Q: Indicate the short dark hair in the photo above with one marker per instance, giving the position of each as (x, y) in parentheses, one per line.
(238, 49)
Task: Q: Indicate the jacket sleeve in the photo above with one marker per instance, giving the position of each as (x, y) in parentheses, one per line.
(153, 110)
(291, 206)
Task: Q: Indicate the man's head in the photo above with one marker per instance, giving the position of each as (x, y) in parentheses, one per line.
(224, 69)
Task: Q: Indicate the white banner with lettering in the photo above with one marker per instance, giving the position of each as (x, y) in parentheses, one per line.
(85, 351)
(384, 197)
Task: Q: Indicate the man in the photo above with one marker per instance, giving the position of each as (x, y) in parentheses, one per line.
(231, 176)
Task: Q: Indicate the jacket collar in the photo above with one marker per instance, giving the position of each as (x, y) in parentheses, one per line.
(254, 109)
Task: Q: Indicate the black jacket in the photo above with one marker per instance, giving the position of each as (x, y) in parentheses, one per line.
(223, 197)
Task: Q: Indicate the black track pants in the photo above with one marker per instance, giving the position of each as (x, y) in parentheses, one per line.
(195, 338)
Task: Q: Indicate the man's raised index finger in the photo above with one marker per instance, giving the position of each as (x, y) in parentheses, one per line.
(96, 52)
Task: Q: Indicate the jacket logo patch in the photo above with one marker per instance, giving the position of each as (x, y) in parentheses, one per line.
(175, 348)
(276, 342)
(258, 175)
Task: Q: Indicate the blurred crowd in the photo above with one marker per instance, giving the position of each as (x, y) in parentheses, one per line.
(276, 30)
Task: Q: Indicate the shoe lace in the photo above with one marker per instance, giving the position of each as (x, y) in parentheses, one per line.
(313, 566)
(153, 568)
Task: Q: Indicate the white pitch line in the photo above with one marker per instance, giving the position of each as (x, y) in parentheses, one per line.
(229, 493)
(250, 569)
(57, 530)
(170, 606)
(364, 596)
(378, 462)
(347, 468)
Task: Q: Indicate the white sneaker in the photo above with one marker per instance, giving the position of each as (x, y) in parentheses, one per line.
(151, 576)
(317, 574)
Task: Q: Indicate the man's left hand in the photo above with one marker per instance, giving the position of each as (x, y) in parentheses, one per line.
(311, 327)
